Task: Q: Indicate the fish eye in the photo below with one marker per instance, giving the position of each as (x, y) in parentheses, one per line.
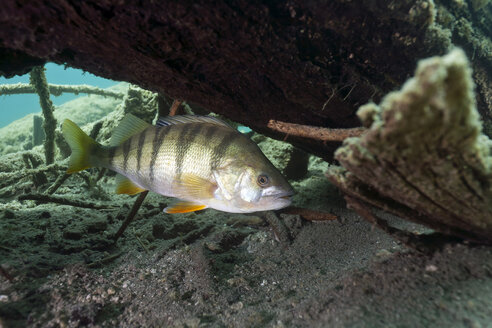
(262, 180)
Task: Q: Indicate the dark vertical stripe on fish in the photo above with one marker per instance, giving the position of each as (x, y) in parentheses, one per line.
(184, 143)
(141, 142)
(208, 136)
(210, 131)
(221, 149)
(126, 151)
(111, 152)
(159, 136)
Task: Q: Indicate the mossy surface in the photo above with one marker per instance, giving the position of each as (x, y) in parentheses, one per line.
(425, 151)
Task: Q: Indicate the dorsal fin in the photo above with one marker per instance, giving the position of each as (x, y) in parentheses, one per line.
(184, 119)
(129, 126)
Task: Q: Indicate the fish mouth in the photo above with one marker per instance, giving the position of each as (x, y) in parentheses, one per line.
(285, 195)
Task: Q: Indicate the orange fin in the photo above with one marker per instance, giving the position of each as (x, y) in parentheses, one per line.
(194, 187)
(126, 186)
(184, 207)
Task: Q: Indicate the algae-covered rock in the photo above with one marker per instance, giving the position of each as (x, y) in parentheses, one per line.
(424, 156)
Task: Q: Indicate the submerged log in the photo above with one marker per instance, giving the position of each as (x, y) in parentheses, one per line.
(424, 157)
(304, 62)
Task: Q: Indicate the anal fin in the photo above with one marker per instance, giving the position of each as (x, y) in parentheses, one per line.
(184, 207)
(126, 186)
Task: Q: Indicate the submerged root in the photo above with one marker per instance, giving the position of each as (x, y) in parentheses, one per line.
(314, 132)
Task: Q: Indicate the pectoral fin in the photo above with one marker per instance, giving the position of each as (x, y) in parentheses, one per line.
(126, 186)
(191, 186)
(184, 207)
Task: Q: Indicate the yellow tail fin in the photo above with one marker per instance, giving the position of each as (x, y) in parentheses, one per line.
(81, 144)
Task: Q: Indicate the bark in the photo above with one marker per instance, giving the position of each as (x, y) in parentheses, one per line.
(304, 62)
(424, 157)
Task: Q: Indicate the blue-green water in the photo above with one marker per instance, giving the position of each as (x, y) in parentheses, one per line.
(13, 107)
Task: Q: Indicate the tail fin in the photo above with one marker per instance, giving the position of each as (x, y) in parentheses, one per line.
(81, 144)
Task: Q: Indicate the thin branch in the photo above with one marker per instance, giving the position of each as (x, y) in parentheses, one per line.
(105, 260)
(140, 242)
(9, 178)
(59, 181)
(279, 229)
(175, 107)
(57, 89)
(42, 198)
(100, 175)
(314, 132)
(131, 215)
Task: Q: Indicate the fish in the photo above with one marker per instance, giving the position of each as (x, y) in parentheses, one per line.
(201, 161)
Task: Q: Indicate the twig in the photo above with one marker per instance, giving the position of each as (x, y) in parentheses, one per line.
(105, 260)
(333, 91)
(348, 94)
(31, 162)
(86, 176)
(175, 107)
(314, 132)
(140, 242)
(277, 226)
(131, 215)
(39, 83)
(89, 178)
(100, 175)
(58, 182)
(310, 215)
(8, 178)
(57, 89)
(42, 198)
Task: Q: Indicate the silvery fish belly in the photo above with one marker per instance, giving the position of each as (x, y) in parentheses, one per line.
(198, 159)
